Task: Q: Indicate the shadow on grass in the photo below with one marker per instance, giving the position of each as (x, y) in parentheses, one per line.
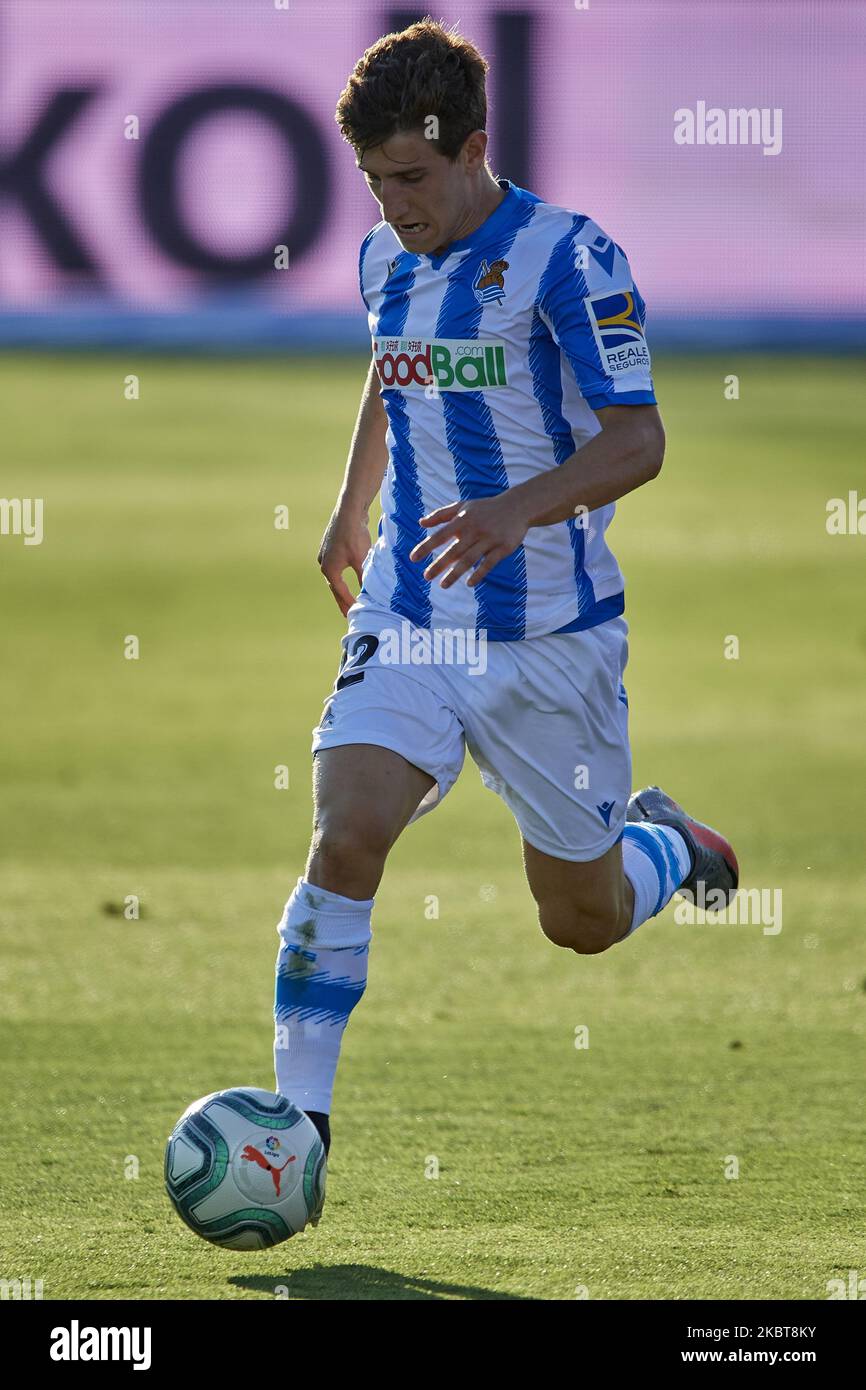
(335, 1283)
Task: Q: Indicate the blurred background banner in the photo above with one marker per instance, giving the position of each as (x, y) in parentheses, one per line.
(153, 156)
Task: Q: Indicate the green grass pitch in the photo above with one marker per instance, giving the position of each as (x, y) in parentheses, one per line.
(564, 1172)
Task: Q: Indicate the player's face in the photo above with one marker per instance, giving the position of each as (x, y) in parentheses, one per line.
(427, 198)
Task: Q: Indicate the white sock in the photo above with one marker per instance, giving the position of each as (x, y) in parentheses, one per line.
(655, 859)
(321, 975)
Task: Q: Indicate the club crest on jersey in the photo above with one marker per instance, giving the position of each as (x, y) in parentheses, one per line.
(489, 283)
(618, 331)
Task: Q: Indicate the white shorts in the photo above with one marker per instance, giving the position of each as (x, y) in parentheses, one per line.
(545, 720)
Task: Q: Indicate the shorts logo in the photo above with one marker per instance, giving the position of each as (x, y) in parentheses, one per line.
(448, 364)
(604, 811)
(618, 331)
(489, 283)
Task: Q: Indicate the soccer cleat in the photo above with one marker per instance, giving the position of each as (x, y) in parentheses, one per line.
(323, 1125)
(714, 863)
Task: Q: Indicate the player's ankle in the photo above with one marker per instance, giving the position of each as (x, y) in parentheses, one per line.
(323, 1125)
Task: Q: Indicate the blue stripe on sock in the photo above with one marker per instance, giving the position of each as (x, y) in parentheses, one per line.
(677, 874)
(322, 997)
(642, 837)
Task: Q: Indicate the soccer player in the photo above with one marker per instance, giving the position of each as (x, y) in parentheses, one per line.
(508, 405)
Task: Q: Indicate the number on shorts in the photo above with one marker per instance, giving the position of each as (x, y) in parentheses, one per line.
(353, 658)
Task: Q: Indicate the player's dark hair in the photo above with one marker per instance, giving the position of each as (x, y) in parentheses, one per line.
(425, 70)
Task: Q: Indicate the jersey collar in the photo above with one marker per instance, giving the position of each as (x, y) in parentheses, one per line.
(493, 225)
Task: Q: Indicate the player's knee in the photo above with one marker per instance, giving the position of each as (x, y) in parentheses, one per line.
(578, 928)
(347, 855)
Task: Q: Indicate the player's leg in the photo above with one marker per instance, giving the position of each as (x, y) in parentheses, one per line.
(387, 750)
(364, 796)
(589, 906)
(549, 732)
(582, 906)
(551, 737)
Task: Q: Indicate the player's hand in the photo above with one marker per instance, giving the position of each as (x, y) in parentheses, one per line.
(344, 547)
(476, 536)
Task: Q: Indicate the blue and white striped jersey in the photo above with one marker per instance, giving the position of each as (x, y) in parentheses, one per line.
(492, 358)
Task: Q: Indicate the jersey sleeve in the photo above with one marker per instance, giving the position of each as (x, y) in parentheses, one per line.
(595, 313)
(362, 257)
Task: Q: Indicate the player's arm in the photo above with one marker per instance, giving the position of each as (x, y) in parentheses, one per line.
(347, 536)
(626, 454)
(595, 315)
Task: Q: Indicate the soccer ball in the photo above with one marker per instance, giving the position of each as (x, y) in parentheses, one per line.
(245, 1168)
